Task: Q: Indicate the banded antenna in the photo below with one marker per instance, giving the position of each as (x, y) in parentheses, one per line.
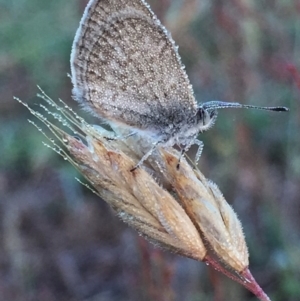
(214, 105)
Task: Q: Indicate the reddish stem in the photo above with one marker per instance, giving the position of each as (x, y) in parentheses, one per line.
(253, 286)
(245, 278)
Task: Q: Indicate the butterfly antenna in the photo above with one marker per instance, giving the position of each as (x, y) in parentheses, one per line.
(214, 105)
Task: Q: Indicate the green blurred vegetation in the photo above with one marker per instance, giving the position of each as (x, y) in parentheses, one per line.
(59, 242)
(36, 37)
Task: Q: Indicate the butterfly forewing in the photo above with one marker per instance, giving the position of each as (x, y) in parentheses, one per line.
(126, 68)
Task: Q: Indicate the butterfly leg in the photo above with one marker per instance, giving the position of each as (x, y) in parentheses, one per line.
(145, 157)
(199, 150)
(122, 138)
(187, 147)
(183, 151)
(129, 135)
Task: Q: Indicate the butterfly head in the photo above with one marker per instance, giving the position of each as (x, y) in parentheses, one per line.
(206, 118)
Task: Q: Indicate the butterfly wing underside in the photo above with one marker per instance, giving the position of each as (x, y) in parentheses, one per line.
(126, 69)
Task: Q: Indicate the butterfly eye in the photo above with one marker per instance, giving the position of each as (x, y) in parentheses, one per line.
(213, 113)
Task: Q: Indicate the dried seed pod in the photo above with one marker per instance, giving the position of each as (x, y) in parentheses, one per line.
(178, 209)
(137, 198)
(207, 208)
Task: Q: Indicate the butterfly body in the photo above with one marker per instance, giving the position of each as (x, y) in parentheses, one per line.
(126, 70)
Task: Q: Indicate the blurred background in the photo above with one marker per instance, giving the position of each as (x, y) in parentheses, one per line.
(58, 241)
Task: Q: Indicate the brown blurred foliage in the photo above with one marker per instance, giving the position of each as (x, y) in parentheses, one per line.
(60, 242)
